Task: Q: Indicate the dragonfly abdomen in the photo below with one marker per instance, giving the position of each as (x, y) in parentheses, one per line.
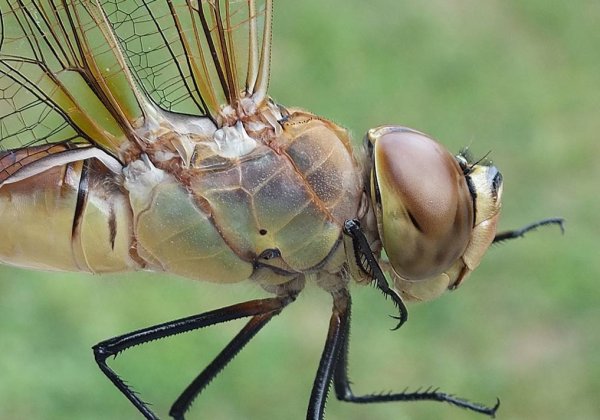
(77, 220)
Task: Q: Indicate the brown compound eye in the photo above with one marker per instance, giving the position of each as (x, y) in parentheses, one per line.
(423, 204)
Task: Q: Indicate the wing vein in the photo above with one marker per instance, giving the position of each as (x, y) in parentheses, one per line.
(214, 53)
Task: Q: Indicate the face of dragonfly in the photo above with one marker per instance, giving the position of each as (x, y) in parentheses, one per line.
(436, 213)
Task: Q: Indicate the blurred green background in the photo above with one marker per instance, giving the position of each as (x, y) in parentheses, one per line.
(519, 78)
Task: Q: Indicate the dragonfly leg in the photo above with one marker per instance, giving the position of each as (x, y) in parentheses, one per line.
(334, 366)
(344, 392)
(339, 325)
(254, 325)
(368, 263)
(261, 311)
(519, 233)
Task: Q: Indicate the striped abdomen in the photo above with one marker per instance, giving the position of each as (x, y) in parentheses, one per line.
(72, 217)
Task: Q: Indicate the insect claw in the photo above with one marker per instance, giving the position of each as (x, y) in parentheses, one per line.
(495, 408)
(400, 322)
(561, 223)
(362, 251)
(397, 325)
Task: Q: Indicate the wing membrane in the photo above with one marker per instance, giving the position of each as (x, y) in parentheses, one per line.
(62, 78)
(192, 57)
(80, 72)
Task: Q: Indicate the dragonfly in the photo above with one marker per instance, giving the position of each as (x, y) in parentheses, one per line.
(140, 135)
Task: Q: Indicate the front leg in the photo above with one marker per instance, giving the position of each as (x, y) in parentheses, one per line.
(367, 262)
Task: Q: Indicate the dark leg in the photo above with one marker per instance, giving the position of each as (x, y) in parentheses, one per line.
(519, 233)
(338, 326)
(344, 392)
(334, 365)
(369, 265)
(261, 311)
(184, 401)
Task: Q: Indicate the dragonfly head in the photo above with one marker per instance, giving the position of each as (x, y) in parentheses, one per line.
(436, 213)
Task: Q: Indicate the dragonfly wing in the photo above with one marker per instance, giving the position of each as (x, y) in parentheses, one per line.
(89, 73)
(63, 79)
(194, 57)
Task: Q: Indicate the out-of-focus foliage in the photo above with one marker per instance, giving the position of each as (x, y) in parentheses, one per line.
(518, 78)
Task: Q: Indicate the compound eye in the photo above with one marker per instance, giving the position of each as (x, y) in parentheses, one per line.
(426, 209)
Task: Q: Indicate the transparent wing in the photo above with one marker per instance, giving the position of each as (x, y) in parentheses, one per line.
(192, 57)
(81, 73)
(63, 79)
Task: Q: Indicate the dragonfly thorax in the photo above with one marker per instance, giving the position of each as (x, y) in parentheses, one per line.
(253, 202)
